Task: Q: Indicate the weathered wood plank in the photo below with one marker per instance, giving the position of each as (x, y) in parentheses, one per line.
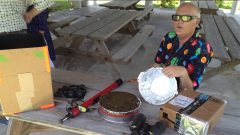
(62, 23)
(114, 26)
(100, 23)
(224, 66)
(126, 53)
(123, 4)
(195, 2)
(212, 8)
(212, 5)
(60, 15)
(76, 42)
(81, 24)
(101, 11)
(214, 38)
(81, 12)
(145, 12)
(129, 3)
(228, 38)
(202, 5)
(234, 27)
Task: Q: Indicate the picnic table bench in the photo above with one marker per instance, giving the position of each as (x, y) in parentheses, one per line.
(223, 34)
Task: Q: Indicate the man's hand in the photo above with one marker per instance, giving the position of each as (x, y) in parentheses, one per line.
(181, 72)
(175, 71)
(27, 16)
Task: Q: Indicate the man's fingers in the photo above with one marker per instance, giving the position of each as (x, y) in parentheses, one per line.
(27, 18)
(167, 73)
(170, 73)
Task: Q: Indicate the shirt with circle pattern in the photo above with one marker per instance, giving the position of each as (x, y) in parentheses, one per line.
(194, 55)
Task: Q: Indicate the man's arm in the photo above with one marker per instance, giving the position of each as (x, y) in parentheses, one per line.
(186, 82)
(37, 7)
(28, 16)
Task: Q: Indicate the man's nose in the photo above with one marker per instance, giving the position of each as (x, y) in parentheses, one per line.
(180, 21)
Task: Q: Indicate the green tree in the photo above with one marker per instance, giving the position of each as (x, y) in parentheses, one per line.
(166, 3)
(219, 3)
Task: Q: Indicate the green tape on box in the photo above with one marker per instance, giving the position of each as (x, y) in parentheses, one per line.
(39, 54)
(3, 58)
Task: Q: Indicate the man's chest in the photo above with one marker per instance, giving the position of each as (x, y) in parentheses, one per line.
(12, 6)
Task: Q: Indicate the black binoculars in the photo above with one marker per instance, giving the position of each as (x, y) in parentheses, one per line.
(140, 127)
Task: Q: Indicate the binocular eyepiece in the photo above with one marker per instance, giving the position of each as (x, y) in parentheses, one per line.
(140, 127)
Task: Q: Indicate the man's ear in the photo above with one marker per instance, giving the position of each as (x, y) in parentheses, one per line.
(198, 24)
(198, 21)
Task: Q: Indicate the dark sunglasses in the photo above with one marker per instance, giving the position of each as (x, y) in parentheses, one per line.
(185, 18)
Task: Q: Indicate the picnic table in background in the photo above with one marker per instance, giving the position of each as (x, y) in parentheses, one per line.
(130, 5)
(222, 33)
(121, 4)
(208, 7)
(101, 27)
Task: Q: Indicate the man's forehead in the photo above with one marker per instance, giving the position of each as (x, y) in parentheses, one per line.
(186, 11)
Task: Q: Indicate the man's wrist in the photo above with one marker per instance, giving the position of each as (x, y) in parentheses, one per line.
(34, 12)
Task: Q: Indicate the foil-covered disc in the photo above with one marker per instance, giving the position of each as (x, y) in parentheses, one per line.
(155, 87)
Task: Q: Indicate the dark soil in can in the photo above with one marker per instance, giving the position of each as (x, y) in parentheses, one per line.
(119, 101)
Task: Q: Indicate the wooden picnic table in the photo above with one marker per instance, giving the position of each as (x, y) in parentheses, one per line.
(223, 35)
(207, 7)
(92, 123)
(121, 4)
(99, 28)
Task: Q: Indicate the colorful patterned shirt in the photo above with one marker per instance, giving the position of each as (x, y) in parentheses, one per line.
(194, 55)
(11, 13)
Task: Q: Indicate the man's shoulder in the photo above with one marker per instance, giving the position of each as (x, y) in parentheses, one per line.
(204, 45)
(201, 41)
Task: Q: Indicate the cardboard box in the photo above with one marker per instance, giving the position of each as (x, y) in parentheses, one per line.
(192, 113)
(25, 79)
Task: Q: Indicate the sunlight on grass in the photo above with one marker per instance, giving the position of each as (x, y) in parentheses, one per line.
(61, 5)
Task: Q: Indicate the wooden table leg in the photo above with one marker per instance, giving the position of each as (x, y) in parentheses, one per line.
(223, 67)
(77, 41)
(132, 28)
(101, 46)
(17, 127)
(61, 41)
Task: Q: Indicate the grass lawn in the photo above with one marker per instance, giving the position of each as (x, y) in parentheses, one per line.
(61, 4)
